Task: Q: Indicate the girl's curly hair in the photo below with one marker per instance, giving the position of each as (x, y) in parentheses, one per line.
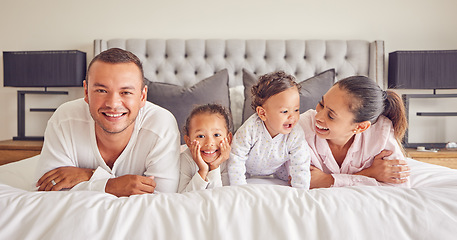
(212, 109)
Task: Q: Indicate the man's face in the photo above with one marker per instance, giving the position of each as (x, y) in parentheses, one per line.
(115, 94)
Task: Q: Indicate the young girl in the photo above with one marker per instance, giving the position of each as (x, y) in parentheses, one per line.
(353, 123)
(208, 138)
(269, 142)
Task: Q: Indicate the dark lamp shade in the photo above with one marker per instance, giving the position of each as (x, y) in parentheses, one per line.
(44, 68)
(423, 69)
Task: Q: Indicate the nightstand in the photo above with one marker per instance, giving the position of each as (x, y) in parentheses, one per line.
(443, 157)
(11, 150)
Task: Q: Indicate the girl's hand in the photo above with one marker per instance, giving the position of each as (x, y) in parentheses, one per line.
(197, 157)
(388, 171)
(319, 179)
(224, 156)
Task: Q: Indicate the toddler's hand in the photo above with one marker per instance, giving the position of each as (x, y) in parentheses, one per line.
(319, 179)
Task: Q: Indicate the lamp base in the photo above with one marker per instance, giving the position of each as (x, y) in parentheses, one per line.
(430, 122)
(28, 138)
(21, 113)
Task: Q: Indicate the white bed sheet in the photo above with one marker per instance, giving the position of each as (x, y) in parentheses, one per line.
(255, 211)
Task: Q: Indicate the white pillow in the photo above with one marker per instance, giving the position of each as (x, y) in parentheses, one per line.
(20, 174)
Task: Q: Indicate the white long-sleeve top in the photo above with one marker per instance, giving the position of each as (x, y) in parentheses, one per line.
(380, 136)
(153, 149)
(190, 180)
(255, 152)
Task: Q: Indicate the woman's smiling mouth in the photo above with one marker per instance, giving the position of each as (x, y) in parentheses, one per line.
(321, 129)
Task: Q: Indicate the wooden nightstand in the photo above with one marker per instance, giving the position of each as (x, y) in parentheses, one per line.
(443, 157)
(11, 151)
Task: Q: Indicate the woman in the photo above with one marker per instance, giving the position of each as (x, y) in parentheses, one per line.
(355, 136)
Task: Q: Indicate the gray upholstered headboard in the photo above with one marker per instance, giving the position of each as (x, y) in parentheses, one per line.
(185, 62)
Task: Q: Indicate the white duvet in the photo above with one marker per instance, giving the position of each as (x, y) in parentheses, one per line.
(254, 211)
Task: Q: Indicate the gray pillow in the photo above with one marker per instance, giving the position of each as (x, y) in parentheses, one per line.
(181, 100)
(312, 90)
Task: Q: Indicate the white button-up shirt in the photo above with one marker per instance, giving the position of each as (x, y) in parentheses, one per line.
(153, 148)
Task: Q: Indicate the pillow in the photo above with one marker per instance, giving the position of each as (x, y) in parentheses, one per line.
(311, 92)
(181, 100)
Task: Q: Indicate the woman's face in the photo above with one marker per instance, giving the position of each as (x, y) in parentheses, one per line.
(334, 121)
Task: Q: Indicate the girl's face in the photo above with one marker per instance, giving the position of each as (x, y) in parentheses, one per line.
(209, 129)
(281, 111)
(334, 121)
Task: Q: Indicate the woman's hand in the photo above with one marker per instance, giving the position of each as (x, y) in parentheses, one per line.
(224, 156)
(319, 179)
(203, 167)
(387, 171)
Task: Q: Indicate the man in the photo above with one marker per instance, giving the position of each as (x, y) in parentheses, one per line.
(113, 140)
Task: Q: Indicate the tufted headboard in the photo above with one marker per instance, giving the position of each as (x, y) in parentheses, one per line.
(185, 62)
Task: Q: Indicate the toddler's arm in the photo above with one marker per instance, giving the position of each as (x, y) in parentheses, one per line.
(238, 156)
(300, 158)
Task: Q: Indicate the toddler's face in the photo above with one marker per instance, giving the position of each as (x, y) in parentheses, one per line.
(281, 111)
(209, 130)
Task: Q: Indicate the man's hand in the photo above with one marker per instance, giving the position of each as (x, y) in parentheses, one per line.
(388, 171)
(127, 185)
(63, 177)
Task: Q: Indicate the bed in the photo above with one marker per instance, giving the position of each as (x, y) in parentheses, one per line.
(263, 209)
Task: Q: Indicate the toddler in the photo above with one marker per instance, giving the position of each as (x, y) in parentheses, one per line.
(208, 137)
(269, 142)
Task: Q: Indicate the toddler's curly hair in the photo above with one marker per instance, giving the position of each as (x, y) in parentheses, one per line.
(269, 85)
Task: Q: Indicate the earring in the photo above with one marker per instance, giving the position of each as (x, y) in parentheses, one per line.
(355, 131)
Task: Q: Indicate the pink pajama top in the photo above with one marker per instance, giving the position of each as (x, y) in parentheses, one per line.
(366, 145)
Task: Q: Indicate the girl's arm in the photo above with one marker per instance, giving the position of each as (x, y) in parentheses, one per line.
(189, 179)
(203, 167)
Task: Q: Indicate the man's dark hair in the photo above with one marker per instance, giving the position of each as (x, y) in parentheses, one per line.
(117, 55)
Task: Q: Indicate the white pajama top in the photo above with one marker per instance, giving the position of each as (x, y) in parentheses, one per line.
(255, 152)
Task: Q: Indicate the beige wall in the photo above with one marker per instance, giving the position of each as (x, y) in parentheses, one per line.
(59, 25)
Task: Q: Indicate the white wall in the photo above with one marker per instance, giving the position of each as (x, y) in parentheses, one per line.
(61, 25)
